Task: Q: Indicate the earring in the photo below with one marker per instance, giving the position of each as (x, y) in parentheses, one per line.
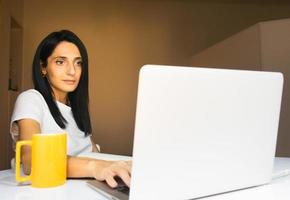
(43, 75)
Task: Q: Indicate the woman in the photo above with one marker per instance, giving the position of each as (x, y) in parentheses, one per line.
(60, 102)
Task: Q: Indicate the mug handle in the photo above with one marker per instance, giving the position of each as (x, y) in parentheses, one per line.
(18, 177)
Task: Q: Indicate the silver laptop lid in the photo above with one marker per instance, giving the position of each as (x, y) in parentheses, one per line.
(202, 131)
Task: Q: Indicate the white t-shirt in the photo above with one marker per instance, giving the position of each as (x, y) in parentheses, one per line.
(30, 104)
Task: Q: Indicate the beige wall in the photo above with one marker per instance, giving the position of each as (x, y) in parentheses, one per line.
(122, 35)
(13, 8)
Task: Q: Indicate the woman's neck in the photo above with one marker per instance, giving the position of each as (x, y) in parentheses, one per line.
(62, 100)
(61, 97)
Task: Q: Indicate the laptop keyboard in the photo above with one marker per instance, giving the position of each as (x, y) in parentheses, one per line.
(124, 189)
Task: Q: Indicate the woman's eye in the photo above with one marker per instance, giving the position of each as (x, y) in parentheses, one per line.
(59, 62)
(79, 63)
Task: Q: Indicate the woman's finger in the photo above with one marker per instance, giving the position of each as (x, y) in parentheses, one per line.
(124, 175)
(111, 181)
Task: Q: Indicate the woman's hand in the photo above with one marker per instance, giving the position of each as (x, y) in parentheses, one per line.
(107, 170)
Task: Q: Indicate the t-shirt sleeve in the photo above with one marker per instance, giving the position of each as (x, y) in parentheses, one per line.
(29, 105)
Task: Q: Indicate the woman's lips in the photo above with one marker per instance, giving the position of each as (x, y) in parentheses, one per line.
(69, 82)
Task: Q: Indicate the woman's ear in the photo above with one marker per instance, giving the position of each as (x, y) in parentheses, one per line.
(43, 72)
(43, 69)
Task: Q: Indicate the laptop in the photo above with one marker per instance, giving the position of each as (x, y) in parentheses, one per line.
(202, 131)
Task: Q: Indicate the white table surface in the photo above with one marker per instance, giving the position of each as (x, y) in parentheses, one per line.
(278, 189)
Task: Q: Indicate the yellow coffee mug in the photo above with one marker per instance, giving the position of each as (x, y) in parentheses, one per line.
(48, 160)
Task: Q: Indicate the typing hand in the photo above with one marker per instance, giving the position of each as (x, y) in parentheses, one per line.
(113, 169)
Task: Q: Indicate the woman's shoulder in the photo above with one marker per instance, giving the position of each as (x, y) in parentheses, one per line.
(30, 95)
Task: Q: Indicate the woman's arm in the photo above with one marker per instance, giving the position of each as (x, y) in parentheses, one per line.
(76, 166)
(27, 127)
(99, 169)
(94, 147)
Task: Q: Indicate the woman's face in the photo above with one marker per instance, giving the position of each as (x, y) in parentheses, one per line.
(63, 70)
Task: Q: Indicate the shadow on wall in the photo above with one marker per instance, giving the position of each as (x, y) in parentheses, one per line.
(264, 46)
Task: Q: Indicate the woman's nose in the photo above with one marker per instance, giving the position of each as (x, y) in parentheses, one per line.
(71, 69)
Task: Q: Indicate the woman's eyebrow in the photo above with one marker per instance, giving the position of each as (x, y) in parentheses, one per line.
(64, 57)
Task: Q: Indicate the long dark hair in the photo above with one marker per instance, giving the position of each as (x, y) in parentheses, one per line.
(79, 98)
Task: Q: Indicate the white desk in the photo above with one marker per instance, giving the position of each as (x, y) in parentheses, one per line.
(77, 189)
